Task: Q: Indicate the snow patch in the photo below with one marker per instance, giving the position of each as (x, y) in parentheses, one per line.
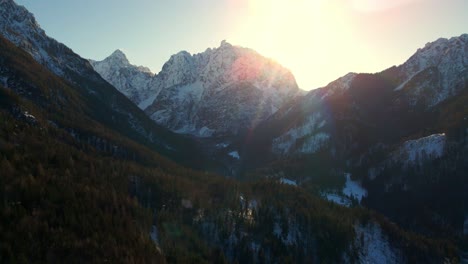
(154, 235)
(288, 182)
(354, 189)
(375, 246)
(285, 143)
(28, 115)
(351, 190)
(426, 148)
(186, 129)
(222, 145)
(205, 132)
(234, 154)
(337, 198)
(413, 152)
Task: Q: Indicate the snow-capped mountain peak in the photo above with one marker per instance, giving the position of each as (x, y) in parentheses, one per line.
(433, 72)
(118, 57)
(439, 53)
(133, 81)
(222, 90)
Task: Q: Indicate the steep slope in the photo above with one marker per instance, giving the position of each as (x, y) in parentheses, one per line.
(436, 72)
(63, 181)
(221, 91)
(101, 101)
(133, 81)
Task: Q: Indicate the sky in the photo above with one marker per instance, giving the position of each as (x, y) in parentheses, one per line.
(318, 40)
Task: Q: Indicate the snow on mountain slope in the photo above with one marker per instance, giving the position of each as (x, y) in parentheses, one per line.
(417, 150)
(374, 246)
(288, 181)
(354, 189)
(19, 26)
(342, 84)
(226, 90)
(221, 91)
(133, 81)
(435, 72)
(351, 190)
(413, 152)
(234, 154)
(313, 140)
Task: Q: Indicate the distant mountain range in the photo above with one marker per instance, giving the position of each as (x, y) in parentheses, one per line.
(92, 157)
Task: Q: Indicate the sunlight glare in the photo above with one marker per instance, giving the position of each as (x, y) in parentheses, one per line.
(296, 33)
(379, 5)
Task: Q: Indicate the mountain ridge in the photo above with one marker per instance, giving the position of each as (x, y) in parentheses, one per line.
(202, 78)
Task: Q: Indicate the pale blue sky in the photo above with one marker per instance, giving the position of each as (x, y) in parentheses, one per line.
(319, 40)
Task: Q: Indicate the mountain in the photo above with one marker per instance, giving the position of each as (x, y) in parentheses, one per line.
(434, 74)
(100, 100)
(222, 91)
(402, 133)
(133, 81)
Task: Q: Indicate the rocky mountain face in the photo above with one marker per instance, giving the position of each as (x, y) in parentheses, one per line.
(19, 26)
(222, 91)
(436, 72)
(133, 81)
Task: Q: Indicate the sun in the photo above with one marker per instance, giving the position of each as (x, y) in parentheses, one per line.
(303, 35)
